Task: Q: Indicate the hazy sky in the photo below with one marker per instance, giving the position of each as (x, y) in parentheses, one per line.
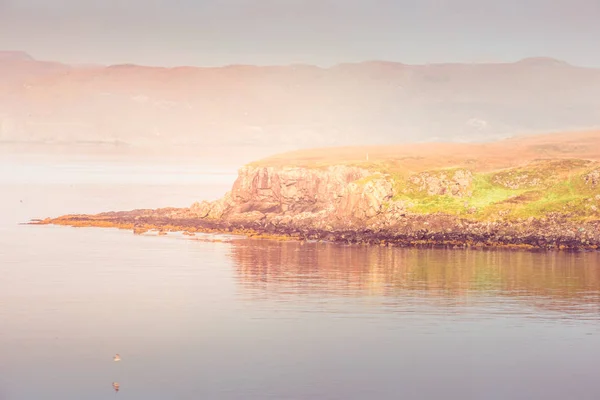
(214, 32)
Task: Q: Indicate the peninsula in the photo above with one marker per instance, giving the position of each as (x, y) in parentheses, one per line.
(538, 192)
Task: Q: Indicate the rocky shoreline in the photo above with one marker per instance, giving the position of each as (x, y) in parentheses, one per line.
(339, 205)
(524, 235)
(545, 204)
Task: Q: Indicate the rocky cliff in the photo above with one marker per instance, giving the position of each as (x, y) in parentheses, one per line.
(551, 202)
(333, 194)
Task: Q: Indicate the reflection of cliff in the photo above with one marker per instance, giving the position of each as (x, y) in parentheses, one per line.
(564, 282)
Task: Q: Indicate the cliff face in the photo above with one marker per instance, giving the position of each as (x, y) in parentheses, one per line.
(551, 203)
(293, 189)
(356, 205)
(544, 200)
(349, 195)
(332, 194)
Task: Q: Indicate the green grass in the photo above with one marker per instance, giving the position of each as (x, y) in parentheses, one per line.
(534, 190)
(539, 173)
(571, 196)
(485, 192)
(484, 195)
(439, 204)
(559, 188)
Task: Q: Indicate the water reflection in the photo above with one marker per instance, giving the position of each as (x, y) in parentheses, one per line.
(259, 320)
(563, 283)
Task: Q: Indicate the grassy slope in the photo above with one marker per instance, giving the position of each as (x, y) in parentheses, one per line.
(517, 178)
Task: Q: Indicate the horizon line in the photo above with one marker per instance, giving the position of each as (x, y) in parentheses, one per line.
(541, 60)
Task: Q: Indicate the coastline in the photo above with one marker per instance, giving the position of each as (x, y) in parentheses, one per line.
(535, 235)
(538, 192)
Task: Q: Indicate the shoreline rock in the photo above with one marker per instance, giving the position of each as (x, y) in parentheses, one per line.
(416, 231)
(356, 205)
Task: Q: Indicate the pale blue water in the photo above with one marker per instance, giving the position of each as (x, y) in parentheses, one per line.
(243, 319)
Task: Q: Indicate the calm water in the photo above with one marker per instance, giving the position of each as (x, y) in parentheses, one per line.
(244, 319)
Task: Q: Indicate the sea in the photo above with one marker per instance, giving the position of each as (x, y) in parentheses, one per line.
(225, 317)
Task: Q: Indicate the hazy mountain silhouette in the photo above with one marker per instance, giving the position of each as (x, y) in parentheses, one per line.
(300, 105)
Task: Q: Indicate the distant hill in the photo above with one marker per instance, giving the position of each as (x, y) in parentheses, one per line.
(17, 68)
(15, 56)
(301, 106)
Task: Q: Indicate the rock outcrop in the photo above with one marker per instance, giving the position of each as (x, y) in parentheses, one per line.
(293, 188)
(593, 178)
(333, 195)
(454, 183)
(351, 204)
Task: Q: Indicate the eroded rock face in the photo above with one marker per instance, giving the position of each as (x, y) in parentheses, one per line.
(213, 210)
(200, 209)
(364, 201)
(221, 206)
(338, 193)
(293, 186)
(291, 190)
(456, 183)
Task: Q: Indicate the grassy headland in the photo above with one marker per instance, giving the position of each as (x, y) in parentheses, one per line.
(529, 176)
(531, 192)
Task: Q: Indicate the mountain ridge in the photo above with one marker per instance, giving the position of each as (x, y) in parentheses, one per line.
(298, 105)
